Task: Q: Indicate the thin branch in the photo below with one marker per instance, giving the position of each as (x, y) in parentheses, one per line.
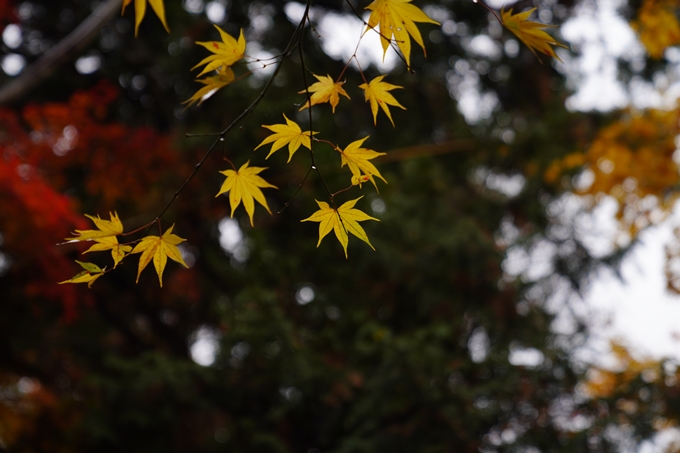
(294, 40)
(225, 158)
(490, 10)
(303, 66)
(204, 134)
(67, 49)
(137, 230)
(331, 144)
(309, 170)
(343, 190)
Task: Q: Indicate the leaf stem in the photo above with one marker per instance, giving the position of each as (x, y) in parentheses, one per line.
(490, 10)
(343, 190)
(335, 147)
(313, 166)
(309, 170)
(137, 230)
(230, 162)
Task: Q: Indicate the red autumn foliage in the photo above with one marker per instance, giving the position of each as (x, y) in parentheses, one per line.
(41, 149)
(7, 13)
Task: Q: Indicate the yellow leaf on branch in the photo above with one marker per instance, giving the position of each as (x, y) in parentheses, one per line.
(91, 273)
(226, 53)
(159, 249)
(530, 33)
(397, 18)
(357, 159)
(244, 185)
(287, 134)
(118, 251)
(325, 90)
(105, 237)
(341, 221)
(140, 11)
(106, 228)
(213, 83)
(377, 93)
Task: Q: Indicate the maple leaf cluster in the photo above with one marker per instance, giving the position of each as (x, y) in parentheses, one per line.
(395, 23)
(156, 248)
(50, 152)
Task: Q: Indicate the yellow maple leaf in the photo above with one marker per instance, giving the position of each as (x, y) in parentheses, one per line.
(357, 159)
(244, 185)
(226, 53)
(287, 134)
(118, 251)
(112, 227)
(140, 11)
(530, 33)
(397, 18)
(213, 83)
(342, 220)
(325, 90)
(159, 249)
(105, 237)
(377, 93)
(91, 273)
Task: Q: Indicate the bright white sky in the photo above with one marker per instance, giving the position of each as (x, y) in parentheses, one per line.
(639, 310)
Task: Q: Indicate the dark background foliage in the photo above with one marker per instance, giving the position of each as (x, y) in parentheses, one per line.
(402, 349)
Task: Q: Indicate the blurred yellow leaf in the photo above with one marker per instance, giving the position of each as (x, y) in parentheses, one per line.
(213, 83)
(530, 33)
(397, 18)
(657, 25)
(226, 53)
(140, 11)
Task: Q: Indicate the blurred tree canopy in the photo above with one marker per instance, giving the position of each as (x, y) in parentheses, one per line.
(436, 342)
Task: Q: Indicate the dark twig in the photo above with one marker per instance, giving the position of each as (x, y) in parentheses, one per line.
(295, 39)
(67, 49)
(490, 10)
(309, 170)
(311, 126)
